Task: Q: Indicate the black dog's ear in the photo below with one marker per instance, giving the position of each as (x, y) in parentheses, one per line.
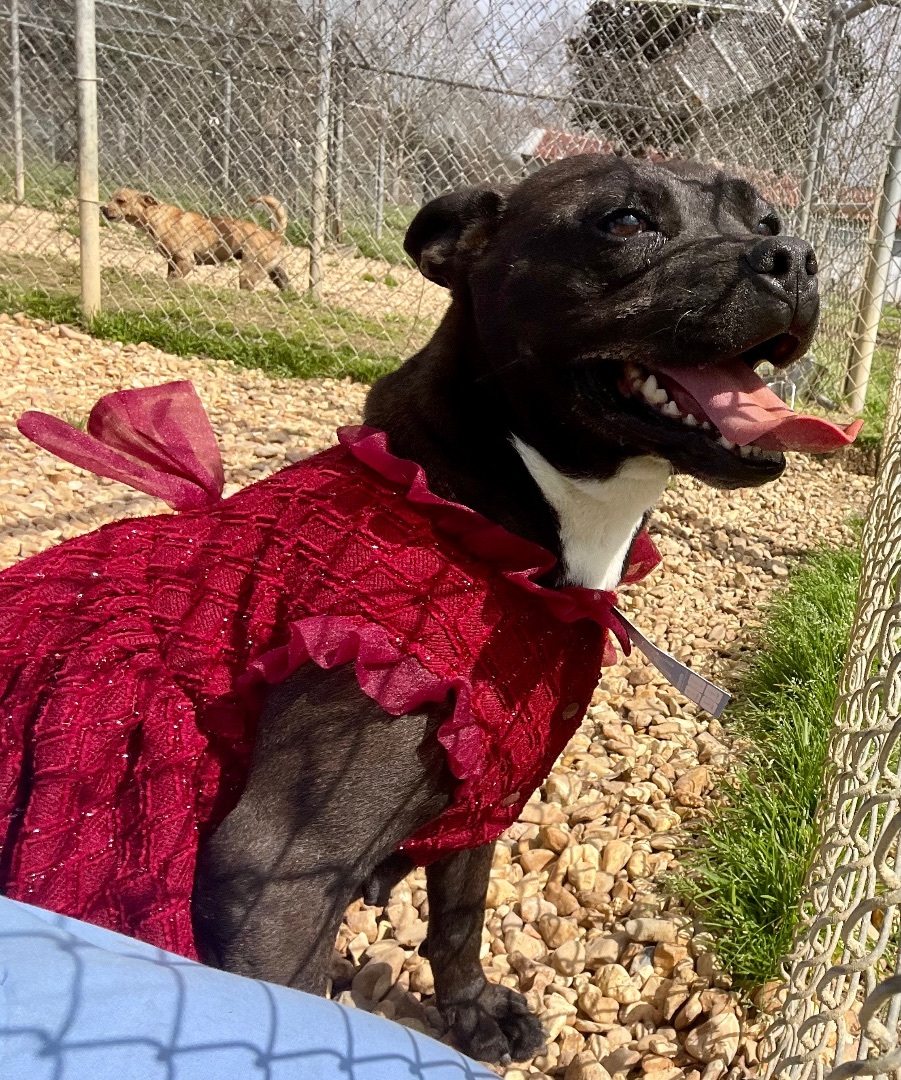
(451, 230)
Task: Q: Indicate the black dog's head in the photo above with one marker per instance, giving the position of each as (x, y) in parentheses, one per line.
(599, 286)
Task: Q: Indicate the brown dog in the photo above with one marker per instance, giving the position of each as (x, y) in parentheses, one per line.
(187, 239)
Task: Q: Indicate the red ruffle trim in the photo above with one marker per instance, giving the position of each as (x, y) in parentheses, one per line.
(398, 681)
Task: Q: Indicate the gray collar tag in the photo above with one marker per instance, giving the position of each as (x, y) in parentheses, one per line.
(707, 695)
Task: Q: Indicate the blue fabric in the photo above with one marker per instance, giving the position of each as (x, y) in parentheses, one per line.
(81, 1003)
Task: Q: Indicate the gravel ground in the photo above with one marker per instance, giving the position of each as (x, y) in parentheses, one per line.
(625, 983)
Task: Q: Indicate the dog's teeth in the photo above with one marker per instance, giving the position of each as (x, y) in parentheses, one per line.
(724, 442)
(654, 394)
(649, 388)
(671, 409)
(746, 451)
(637, 384)
(764, 455)
(689, 421)
(707, 426)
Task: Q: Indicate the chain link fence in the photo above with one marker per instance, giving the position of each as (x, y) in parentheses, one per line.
(351, 115)
(847, 946)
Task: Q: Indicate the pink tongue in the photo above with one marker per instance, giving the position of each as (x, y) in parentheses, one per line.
(746, 411)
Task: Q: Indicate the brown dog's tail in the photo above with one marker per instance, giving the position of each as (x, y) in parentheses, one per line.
(277, 212)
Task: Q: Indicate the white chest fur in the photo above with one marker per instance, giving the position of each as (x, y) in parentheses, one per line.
(598, 518)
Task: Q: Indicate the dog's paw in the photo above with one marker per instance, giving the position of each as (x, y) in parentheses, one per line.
(496, 1026)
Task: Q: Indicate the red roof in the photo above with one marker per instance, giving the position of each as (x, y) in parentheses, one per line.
(782, 190)
(548, 145)
(849, 201)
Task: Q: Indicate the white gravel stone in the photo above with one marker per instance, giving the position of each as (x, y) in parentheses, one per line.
(715, 1040)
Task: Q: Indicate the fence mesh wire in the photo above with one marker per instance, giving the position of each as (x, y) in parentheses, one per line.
(353, 114)
(847, 948)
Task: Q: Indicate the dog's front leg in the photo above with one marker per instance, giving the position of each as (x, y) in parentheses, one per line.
(335, 785)
(178, 266)
(491, 1023)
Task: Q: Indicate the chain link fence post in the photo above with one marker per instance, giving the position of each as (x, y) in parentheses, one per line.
(16, 79)
(824, 90)
(319, 177)
(88, 150)
(337, 163)
(872, 294)
(380, 167)
(227, 110)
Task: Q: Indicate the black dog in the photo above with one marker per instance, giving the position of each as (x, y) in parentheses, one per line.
(533, 404)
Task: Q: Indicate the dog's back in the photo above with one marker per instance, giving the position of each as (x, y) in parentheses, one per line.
(236, 238)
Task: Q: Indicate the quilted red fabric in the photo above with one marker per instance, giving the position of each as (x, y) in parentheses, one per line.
(133, 660)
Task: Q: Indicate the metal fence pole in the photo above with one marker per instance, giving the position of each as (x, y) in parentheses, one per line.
(227, 135)
(319, 177)
(872, 294)
(336, 176)
(839, 17)
(380, 165)
(825, 95)
(88, 169)
(18, 138)
(336, 148)
(227, 107)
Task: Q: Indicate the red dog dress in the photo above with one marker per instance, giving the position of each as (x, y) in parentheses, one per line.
(133, 660)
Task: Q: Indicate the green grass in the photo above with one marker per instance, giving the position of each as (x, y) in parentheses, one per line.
(48, 186)
(389, 247)
(834, 354)
(284, 334)
(293, 355)
(746, 873)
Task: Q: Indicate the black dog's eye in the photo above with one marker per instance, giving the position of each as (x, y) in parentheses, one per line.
(769, 226)
(626, 223)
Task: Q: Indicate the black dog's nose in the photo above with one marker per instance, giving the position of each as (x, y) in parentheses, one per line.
(787, 260)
